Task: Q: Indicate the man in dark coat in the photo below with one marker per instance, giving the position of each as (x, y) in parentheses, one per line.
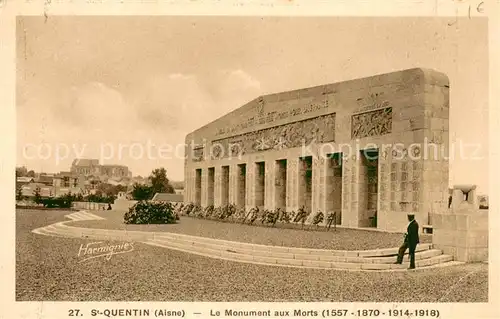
(410, 242)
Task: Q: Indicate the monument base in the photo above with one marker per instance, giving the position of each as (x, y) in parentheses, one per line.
(462, 231)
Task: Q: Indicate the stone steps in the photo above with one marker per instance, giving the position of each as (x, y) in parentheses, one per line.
(228, 254)
(368, 260)
(424, 251)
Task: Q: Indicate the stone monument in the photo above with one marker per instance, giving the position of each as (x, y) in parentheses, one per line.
(372, 150)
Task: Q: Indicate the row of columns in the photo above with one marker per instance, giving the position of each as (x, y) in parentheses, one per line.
(286, 183)
(397, 187)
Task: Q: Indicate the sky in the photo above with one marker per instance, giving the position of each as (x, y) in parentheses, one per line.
(120, 89)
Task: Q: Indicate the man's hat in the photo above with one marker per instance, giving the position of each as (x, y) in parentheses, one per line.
(411, 214)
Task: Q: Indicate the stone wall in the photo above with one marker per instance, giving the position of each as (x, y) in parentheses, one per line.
(90, 205)
(462, 230)
(123, 204)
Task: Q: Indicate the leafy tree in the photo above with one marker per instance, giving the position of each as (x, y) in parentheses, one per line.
(142, 192)
(160, 182)
(120, 188)
(19, 195)
(31, 173)
(38, 197)
(111, 190)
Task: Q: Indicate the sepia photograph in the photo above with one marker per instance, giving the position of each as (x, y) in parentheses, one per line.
(252, 159)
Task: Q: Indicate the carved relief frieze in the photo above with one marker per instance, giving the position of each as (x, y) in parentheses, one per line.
(198, 154)
(319, 130)
(372, 123)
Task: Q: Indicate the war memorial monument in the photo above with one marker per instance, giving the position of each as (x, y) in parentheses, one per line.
(372, 150)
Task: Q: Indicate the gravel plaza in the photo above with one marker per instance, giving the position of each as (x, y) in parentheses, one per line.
(49, 269)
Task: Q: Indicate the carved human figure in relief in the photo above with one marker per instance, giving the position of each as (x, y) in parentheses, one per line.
(372, 123)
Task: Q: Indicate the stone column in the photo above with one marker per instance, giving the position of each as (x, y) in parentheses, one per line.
(362, 186)
(197, 191)
(240, 187)
(384, 178)
(218, 186)
(211, 181)
(270, 188)
(280, 185)
(250, 182)
(233, 184)
(292, 173)
(318, 187)
(204, 187)
(351, 187)
(346, 191)
(305, 183)
(224, 185)
(188, 185)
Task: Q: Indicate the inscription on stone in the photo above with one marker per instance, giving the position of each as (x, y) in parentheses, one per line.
(372, 123)
(264, 118)
(371, 102)
(296, 134)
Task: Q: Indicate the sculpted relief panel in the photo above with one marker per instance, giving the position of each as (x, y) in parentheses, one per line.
(198, 154)
(319, 129)
(372, 123)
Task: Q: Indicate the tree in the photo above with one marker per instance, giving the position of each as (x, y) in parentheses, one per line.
(160, 182)
(31, 173)
(142, 192)
(38, 197)
(19, 195)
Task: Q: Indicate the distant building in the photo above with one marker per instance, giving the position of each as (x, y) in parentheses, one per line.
(88, 167)
(85, 166)
(45, 179)
(119, 181)
(24, 180)
(67, 179)
(29, 190)
(114, 170)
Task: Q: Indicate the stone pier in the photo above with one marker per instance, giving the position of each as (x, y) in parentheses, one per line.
(462, 230)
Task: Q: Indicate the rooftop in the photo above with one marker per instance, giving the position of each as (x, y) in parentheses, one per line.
(85, 162)
(167, 197)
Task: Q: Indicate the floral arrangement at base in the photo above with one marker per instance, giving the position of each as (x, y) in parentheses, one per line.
(233, 213)
(331, 219)
(301, 216)
(318, 218)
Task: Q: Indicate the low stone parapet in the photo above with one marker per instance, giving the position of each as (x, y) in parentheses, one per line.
(123, 204)
(90, 206)
(462, 231)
